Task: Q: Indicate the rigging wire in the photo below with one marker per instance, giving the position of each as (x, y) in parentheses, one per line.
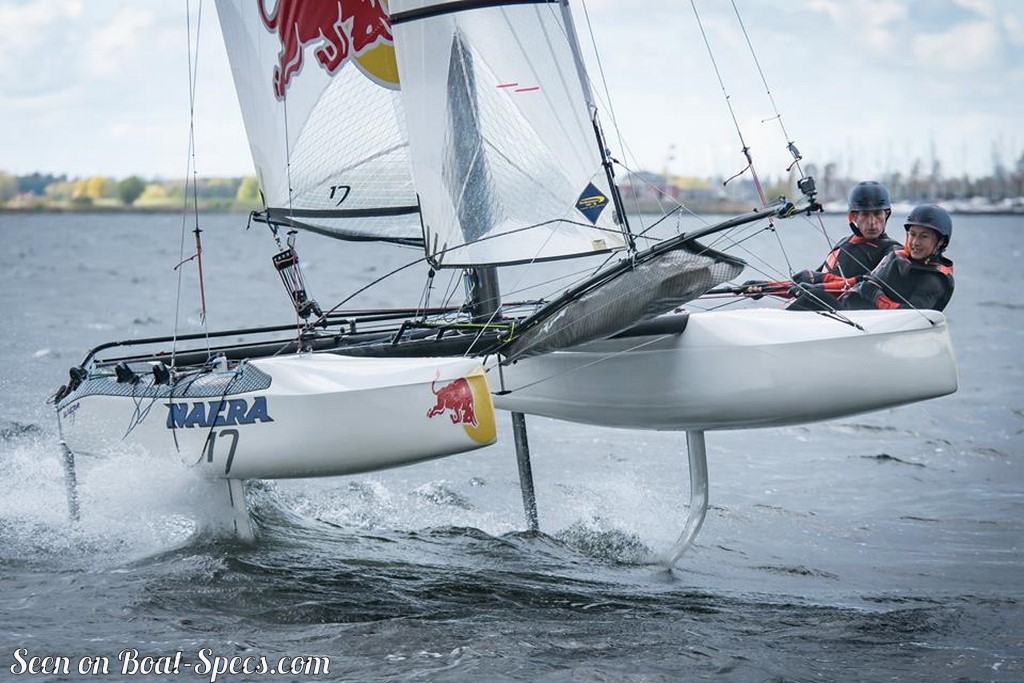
(607, 163)
(607, 103)
(679, 206)
(190, 169)
(323, 318)
(611, 112)
(790, 144)
(732, 113)
(600, 69)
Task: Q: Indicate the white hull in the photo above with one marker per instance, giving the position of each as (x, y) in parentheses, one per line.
(326, 414)
(741, 369)
(320, 415)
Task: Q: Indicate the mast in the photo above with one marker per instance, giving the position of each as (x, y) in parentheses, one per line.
(588, 95)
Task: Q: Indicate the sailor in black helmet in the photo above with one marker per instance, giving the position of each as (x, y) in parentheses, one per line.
(916, 276)
(868, 209)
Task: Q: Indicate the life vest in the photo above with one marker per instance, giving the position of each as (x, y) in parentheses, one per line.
(901, 282)
(856, 255)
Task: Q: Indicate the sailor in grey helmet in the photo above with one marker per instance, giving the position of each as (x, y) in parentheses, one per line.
(869, 208)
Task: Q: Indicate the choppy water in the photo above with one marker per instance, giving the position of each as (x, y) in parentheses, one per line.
(879, 548)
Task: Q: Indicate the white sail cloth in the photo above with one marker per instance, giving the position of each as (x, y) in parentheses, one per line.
(501, 152)
(504, 151)
(318, 88)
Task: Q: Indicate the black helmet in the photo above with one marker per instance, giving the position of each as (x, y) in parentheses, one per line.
(934, 217)
(869, 196)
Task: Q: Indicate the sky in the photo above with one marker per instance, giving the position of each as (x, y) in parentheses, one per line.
(101, 87)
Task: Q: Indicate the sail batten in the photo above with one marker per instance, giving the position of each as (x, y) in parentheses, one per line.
(439, 8)
(281, 212)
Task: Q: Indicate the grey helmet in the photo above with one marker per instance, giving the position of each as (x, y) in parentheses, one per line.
(934, 217)
(869, 196)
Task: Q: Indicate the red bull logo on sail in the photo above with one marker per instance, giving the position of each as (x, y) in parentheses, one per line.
(341, 30)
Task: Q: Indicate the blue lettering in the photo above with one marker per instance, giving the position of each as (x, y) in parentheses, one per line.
(176, 414)
(197, 416)
(236, 411)
(212, 413)
(216, 408)
(258, 411)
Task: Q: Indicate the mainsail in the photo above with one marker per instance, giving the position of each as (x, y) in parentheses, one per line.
(502, 139)
(318, 88)
(506, 156)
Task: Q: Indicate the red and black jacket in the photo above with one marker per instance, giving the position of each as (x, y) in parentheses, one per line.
(901, 282)
(856, 255)
(848, 262)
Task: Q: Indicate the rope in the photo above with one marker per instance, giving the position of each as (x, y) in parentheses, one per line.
(790, 145)
(732, 113)
(778, 116)
(190, 169)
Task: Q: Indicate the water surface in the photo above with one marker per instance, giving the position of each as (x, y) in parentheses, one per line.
(877, 548)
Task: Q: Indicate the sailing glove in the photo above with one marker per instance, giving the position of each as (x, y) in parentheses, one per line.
(809, 277)
(754, 288)
(801, 289)
(869, 290)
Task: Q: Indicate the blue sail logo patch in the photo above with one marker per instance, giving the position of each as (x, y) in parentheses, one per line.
(591, 203)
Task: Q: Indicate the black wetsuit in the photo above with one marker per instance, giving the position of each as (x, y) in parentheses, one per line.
(852, 258)
(857, 255)
(901, 282)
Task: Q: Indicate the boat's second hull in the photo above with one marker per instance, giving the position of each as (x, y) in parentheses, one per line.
(741, 369)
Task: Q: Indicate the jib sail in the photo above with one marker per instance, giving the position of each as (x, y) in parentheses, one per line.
(318, 88)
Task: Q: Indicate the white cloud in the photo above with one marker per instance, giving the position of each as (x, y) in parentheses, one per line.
(29, 28)
(1013, 29)
(119, 44)
(966, 47)
(983, 7)
(872, 24)
(27, 23)
(860, 82)
(54, 102)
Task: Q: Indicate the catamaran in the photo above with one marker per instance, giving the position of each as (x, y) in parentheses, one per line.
(468, 130)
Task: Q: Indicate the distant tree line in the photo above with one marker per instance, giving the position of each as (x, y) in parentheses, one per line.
(43, 191)
(924, 182)
(653, 192)
(927, 182)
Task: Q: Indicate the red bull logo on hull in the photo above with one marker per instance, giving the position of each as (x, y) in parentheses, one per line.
(455, 398)
(341, 30)
(466, 401)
